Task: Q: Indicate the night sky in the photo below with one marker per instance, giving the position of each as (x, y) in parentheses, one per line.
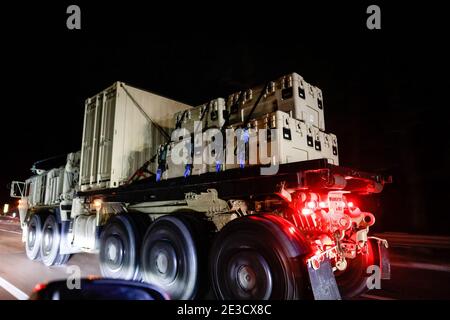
(384, 90)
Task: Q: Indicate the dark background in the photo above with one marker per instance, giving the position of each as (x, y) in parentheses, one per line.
(384, 90)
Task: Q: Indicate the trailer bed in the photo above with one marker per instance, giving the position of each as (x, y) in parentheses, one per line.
(247, 182)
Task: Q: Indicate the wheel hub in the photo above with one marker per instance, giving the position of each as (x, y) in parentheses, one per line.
(164, 264)
(251, 275)
(48, 240)
(246, 278)
(114, 252)
(31, 236)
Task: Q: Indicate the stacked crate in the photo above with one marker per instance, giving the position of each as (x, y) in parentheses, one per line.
(289, 112)
(194, 131)
(293, 111)
(290, 93)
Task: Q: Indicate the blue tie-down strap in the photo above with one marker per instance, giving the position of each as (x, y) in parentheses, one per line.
(158, 174)
(323, 282)
(218, 166)
(187, 171)
(241, 156)
(245, 136)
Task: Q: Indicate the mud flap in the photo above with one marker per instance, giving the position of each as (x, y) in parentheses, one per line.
(385, 264)
(382, 257)
(323, 282)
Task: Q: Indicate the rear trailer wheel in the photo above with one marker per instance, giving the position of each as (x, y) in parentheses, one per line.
(50, 241)
(119, 248)
(352, 282)
(172, 256)
(33, 238)
(259, 257)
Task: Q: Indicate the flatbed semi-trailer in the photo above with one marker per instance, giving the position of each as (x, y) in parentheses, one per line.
(237, 231)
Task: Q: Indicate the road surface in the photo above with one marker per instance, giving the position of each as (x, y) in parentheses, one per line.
(18, 275)
(420, 267)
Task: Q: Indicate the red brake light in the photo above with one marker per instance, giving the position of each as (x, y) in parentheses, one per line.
(312, 205)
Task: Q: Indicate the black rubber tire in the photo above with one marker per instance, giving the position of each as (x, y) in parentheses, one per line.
(352, 282)
(33, 238)
(259, 257)
(50, 243)
(173, 257)
(142, 222)
(64, 259)
(119, 248)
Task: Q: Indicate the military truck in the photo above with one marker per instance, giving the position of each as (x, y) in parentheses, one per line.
(271, 215)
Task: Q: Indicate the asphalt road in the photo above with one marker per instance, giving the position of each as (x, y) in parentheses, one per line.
(420, 267)
(18, 275)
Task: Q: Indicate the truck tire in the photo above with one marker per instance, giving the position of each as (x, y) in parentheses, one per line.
(352, 282)
(170, 256)
(259, 257)
(119, 248)
(34, 235)
(50, 242)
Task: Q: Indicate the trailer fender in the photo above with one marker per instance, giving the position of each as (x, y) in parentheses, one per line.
(322, 281)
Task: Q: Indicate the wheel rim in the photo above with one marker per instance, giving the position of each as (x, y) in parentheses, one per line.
(119, 249)
(114, 253)
(169, 258)
(247, 274)
(255, 258)
(31, 238)
(47, 240)
(164, 268)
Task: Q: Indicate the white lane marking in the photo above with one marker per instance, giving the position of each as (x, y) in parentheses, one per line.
(16, 292)
(10, 231)
(423, 266)
(375, 297)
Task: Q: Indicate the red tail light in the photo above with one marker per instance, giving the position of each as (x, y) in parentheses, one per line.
(312, 205)
(322, 204)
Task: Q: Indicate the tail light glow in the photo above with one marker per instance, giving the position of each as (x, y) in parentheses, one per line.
(312, 205)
